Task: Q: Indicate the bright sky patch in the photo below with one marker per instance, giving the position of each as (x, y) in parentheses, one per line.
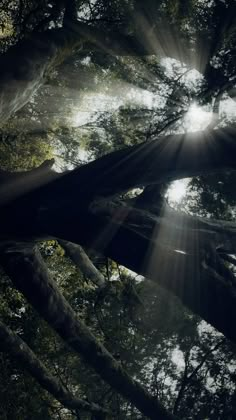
(197, 118)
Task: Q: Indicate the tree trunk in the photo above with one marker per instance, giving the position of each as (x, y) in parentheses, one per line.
(29, 274)
(35, 57)
(42, 51)
(81, 260)
(18, 348)
(198, 279)
(67, 208)
(165, 159)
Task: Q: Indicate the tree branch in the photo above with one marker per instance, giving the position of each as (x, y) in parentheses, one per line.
(185, 229)
(29, 275)
(186, 381)
(70, 14)
(19, 349)
(39, 214)
(82, 261)
(230, 259)
(184, 274)
(168, 158)
(35, 57)
(14, 184)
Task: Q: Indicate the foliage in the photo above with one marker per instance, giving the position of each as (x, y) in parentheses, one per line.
(90, 105)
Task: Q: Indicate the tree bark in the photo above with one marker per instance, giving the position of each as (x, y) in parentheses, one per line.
(165, 159)
(64, 208)
(42, 51)
(82, 261)
(173, 229)
(12, 343)
(14, 184)
(29, 275)
(196, 278)
(35, 57)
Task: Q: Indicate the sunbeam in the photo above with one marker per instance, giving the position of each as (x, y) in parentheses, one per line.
(177, 191)
(197, 118)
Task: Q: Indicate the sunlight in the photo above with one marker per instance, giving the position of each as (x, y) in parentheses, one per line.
(81, 118)
(197, 118)
(180, 252)
(116, 96)
(177, 191)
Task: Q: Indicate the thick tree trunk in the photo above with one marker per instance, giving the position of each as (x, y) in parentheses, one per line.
(15, 184)
(198, 279)
(42, 51)
(67, 208)
(35, 57)
(18, 348)
(29, 274)
(38, 54)
(166, 159)
(174, 230)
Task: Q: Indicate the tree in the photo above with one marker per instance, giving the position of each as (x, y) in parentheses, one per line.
(186, 255)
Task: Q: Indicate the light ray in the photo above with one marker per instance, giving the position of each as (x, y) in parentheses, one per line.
(197, 118)
(177, 191)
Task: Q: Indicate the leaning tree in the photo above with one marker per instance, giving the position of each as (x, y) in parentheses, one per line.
(89, 206)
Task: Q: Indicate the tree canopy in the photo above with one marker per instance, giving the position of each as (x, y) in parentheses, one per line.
(107, 108)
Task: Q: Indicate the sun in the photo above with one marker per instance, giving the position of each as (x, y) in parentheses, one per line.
(177, 191)
(197, 118)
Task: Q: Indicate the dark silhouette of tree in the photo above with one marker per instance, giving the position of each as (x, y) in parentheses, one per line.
(88, 207)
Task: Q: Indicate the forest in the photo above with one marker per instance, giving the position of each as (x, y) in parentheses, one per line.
(117, 209)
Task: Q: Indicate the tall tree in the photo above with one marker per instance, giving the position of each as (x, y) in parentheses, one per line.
(89, 206)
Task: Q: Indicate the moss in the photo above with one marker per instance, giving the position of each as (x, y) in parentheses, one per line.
(22, 152)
